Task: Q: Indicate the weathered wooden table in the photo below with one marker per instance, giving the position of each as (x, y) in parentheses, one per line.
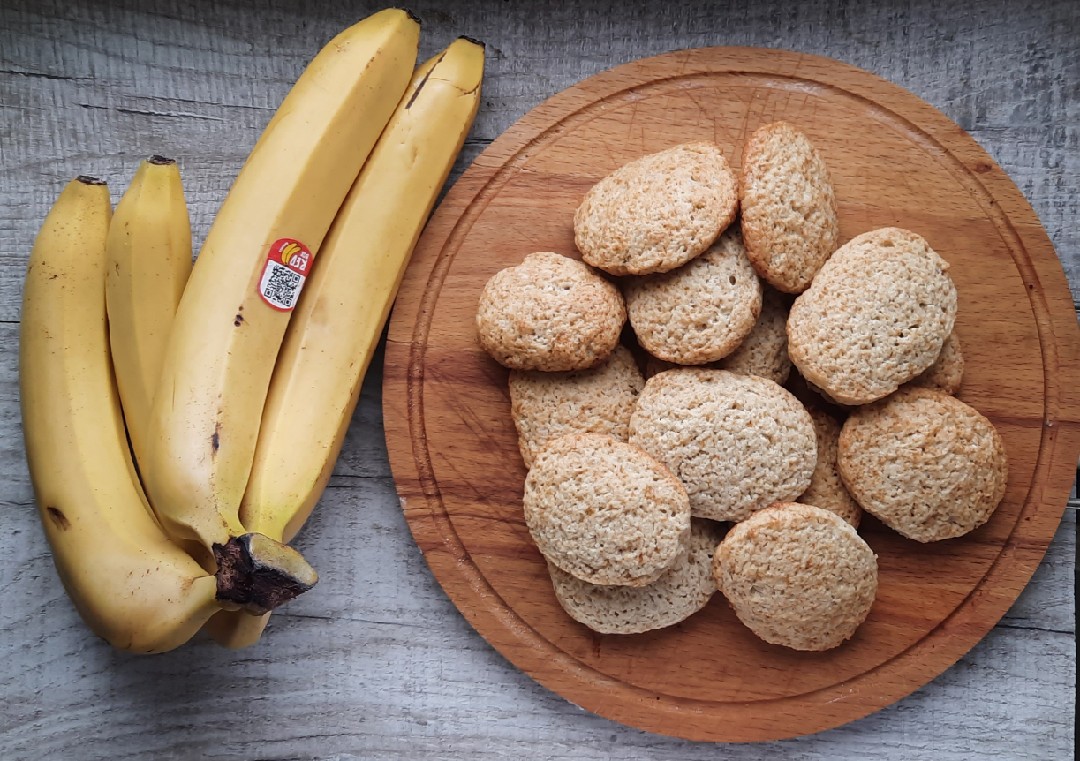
(376, 663)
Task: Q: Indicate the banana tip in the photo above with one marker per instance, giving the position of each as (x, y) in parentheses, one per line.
(412, 15)
(159, 160)
(473, 40)
(86, 179)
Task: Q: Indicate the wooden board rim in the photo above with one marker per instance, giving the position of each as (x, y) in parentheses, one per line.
(705, 720)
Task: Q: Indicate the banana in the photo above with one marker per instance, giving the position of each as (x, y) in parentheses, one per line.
(232, 317)
(337, 324)
(129, 582)
(148, 256)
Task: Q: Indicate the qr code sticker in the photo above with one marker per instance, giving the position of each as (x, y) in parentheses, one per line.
(280, 286)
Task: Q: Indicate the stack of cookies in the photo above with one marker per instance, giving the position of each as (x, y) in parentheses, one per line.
(641, 456)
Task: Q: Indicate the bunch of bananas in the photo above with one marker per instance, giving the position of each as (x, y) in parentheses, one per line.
(181, 422)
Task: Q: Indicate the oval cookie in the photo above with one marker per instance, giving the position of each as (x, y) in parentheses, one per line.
(549, 313)
(924, 463)
(600, 399)
(788, 207)
(681, 591)
(827, 489)
(657, 212)
(737, 442)
(764, 352)
(797, 576)
(701, 311)
(604, 511)
(947, 372)
(876, 316)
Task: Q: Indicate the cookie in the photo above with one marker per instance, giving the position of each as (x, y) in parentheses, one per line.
(826, 488)
(657, 212)
(681, 591)
(764, 351)
(947, 372)
(604, 511)
(737, 442)
(699, 312)
(924, 463)
(549, 313)
(876, 316)
(788, 207)
(797, 576)
(546, 406)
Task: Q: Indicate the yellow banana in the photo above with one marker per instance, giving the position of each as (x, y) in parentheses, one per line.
(129, 582)
(230, 322)
(337, 324)
(148, 257)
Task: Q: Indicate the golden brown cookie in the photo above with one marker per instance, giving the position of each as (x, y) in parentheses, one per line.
(546, 406)
(764, 351)
(699, 312)
(681, 591)
(604, 511)
(738, 442)
(876, 316)
(797, 576)
(549, 313)
(924, 463)
(788, 207)
(947, 372)
(657, 212)
(826, 488)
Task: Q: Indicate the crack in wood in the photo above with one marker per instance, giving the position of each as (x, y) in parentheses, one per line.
(351, 619)
(42, 75)
(152, 112)
(357, 477)
(1014, 627)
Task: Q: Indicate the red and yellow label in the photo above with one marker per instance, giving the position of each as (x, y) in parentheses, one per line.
(287, 264)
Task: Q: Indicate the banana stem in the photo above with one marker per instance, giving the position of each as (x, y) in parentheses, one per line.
(257, 574)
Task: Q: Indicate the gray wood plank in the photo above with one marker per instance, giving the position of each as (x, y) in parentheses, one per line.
(376, 662)
(92, 88)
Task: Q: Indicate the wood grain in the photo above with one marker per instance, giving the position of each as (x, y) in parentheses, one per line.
(453, 446)
(376, 662)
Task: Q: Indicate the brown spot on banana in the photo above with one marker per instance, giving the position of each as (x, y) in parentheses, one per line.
(56, 515)
(215, 440)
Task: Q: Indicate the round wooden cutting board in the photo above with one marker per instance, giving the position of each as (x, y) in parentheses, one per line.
(894, 160)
